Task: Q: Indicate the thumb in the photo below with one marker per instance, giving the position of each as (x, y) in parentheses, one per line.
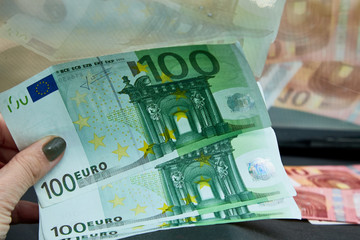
(27, 167)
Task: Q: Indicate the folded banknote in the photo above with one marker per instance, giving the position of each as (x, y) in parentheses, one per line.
(328, 193)
(229, 174)
(161, 138)
(281, 208)
(129, 112)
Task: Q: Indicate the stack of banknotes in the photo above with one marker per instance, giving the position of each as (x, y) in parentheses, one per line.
(317, 55)
(327, 193)
(157, 139)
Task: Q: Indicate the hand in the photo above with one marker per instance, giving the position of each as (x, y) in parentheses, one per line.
(19, 171)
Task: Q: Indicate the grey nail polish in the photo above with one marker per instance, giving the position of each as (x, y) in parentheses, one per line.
(54, 148)
(55, 11)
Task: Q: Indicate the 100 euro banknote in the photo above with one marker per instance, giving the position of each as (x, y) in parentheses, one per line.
(281, 208)
(124, 113)
(232, 173)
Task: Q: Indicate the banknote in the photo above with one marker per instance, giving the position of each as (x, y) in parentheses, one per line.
(231, 173)
(128, 112)
(275, 77)
(328, 89)
(323, 222)
(355, 168)
(127, 25)
(318, 30)
(309, 30)
(324, 35)
(281, 208)
(352, 49)
(328, 176)
(329, 204)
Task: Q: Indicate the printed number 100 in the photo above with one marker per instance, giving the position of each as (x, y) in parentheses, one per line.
(183, 65)
(56, 187)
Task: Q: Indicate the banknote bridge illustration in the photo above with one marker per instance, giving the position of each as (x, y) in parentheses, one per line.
(180, 113)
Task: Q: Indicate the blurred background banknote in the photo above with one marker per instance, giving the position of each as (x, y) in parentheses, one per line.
(324, 37)
(60, 29)
(330, 193)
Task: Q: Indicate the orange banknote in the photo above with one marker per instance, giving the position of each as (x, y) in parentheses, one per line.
(329, 204)
(330, 89)
(308, 31)
(318, 30)
(340, 177)
(330, 193)
(352, 49)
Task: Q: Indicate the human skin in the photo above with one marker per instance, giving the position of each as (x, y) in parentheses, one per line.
(21, 170)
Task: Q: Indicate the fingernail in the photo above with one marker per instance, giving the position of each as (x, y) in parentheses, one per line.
(54, 10)
(54, 148)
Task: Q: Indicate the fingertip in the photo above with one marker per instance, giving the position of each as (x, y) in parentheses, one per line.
(54, 147)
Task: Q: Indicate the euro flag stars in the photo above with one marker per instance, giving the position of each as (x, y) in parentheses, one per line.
(42, 88)
(79, 98)
(107, 185)
(189, 199)
(190, 219)
(97, 141)
(203, 182)
(139, 209)
(117, 201)
(180, 114)
(179, 94)
(121, 151)
(138, 227)
(165, 78)
(147, 149)
(82, 122)
(138, 68)
(142, 68)
(203, 159)
(164, 225)
(166, 208)
(167, 134)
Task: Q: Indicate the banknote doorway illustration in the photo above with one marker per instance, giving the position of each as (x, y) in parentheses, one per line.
(205, 178)
(177, 114)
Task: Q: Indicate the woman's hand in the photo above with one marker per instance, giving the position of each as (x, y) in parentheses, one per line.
(21, 170)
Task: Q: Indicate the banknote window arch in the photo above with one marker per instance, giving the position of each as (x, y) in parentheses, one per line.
(185, 108)
(205, 192)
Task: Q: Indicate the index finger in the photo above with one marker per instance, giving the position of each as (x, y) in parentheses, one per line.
(6, 139)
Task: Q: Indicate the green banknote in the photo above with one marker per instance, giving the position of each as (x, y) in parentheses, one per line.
(129, 112)
(277, 209)
(232, 173)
